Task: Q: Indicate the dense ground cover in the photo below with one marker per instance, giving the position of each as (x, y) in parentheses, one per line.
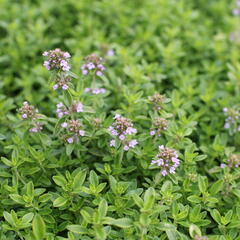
(139, 141)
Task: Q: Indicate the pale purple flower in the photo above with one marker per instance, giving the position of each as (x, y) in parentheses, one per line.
(121, 137)
(152, 132)
(66, 55)
(65, 87)
(99, 73)
(235, 11)
(84, 72)
(131, 130)
(64, 125)
(24, 116)
(223, 165)
(70, 140)
(59, 105)
(112, 143)
(45, 54)
(34, 130)
(60, 114)
(46, 65)
(126, 148)
(82, 133)
(164, 172)
(90, 66)
(110, 53)
(79, 107)
(226, 125)
(132, 143)
(55, 87)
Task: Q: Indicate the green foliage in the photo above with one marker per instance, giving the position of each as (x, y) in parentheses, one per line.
(51, 190)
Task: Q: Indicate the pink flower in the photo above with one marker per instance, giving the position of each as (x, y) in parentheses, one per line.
(82, 133)
(152, 132)
(133, 143)
(112, 143)
(65, 87)
(64, 125)
(45, 54)
(55, 87)
(70, 140)
(121, 137)
(24, 116)
(126, 148)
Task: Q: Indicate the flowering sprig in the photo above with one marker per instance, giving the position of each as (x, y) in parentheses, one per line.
(93, 64)
(63, 110)
(158, 101)
(95, 91)
(62, 82)
(232, 121)
(57, 60)
(236, 10)
(28, 112)
(73, 130)
(159, 125)
(122, 128)
(232, 162)
(167, 159)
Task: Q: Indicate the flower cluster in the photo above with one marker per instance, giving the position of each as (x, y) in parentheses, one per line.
(74, 130)
(95, 91)
(157, 100)
(167, 159)
(233, 161)
(62, 82)
(159, 125)
(57, 60)
(93, 63)
(28, 112)
(122, 128)
(236, 10)
(232, 121)
(62, 110)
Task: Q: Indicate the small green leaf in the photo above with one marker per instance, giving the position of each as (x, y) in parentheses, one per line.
(77, 229)
(216, 187)
(102, 208)
(202, 184)
(39, 227)
(60, 180)
(59, 202)
(27, 217)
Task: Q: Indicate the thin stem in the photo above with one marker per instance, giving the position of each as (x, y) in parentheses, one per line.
(119, 160)
(19, 176)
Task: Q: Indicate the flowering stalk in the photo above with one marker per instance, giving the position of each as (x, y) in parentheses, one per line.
(93, 66)
(232, 121)
(167, 159)
(28, 112)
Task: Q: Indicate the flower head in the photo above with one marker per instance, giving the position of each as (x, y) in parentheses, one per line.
(159, 125)
(28, 111)
(157, 100)
(232, 120)
(123, 128)
(57, 60)
(93, 64)
(167, 160)
(95, 91)
(73, 129)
